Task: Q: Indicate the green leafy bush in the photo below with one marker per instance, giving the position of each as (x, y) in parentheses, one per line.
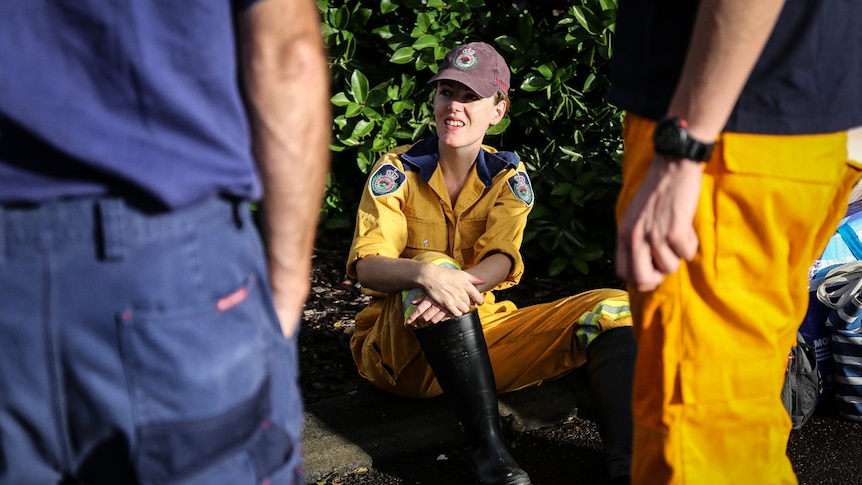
(382, 53)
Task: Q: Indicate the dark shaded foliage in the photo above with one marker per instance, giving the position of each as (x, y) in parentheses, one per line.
(381, 54)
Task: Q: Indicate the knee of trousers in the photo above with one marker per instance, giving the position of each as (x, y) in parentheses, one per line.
(608, 313)
(411, 295)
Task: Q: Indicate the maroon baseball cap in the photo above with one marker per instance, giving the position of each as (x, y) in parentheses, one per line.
(478, 66)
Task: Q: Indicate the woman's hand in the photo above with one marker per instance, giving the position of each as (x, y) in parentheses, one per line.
(429, 311)
(449, 293)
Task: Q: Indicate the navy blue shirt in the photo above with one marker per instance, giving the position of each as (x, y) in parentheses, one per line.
(122, 97)
(807, 81)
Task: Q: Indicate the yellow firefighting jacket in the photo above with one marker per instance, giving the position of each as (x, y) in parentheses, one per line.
(405, 209)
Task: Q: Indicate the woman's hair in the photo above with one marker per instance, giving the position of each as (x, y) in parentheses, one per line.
(502, 96)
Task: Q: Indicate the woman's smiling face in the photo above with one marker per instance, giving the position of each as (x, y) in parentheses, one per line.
(461, 116)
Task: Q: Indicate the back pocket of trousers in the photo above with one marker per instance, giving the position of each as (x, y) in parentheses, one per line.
(197, 379)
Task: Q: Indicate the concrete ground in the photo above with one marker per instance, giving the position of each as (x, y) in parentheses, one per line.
(371, 428)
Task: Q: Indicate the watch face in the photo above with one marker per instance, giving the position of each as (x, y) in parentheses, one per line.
(669, 138)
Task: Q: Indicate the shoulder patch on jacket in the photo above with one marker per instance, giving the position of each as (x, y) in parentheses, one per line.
(386, 180)
(521, 187)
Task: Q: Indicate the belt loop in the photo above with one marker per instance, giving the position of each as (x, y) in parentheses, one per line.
(239, 212)
(2, 235)
(112, 227)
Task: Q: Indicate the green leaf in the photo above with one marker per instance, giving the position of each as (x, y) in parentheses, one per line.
(534, 83)
(499, 127)
(608, 5)
(403, 135)
(537, 103)
(557, 266)
(423, 22)
(546, 70)
(576, 194)
(581, 266)
(378, 96)
(340, 17)
(459, 11)
(588, 83)
(591, 254)
(340, 122)
(371, 113)
(571, 152)
(360, 18)
(587, 177)
(508, 43)
(359, 86)
(363, 128)
(388, 127)
(350, 142)
(385, 32)
(407, 85)
(417, 132)
(364, 161)
(352, 110)
(340, 99)
(561, 189)
(605, 50)
(581, 17)
(386, 6)
(403, 55)
(380, 144)
(425, 41)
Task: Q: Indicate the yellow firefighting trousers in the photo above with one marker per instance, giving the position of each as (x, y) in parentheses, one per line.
(527, 345)
(713, 338)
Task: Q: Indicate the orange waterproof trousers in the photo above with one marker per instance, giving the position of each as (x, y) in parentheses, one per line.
(713, 338)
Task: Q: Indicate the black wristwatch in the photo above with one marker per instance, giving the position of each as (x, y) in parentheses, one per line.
(672, 140)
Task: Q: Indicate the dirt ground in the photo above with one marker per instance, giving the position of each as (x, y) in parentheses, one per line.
(825, 451)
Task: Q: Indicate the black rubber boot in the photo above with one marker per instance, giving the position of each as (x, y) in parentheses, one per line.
(457, 353)
(610, 373)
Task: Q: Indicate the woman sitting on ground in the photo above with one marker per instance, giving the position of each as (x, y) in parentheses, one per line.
(439, 227)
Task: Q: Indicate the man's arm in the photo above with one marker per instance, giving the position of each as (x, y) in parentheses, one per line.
(285, 75)
(656, 231)
(728, 37)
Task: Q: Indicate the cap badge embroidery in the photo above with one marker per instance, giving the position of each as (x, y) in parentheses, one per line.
(386, 180)
(466, 59)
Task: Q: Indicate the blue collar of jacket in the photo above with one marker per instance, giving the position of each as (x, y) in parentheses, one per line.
(423, 156)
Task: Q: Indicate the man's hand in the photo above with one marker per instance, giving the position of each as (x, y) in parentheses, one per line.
(656, 231)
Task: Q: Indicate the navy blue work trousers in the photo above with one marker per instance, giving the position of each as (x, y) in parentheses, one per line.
(140, 347)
